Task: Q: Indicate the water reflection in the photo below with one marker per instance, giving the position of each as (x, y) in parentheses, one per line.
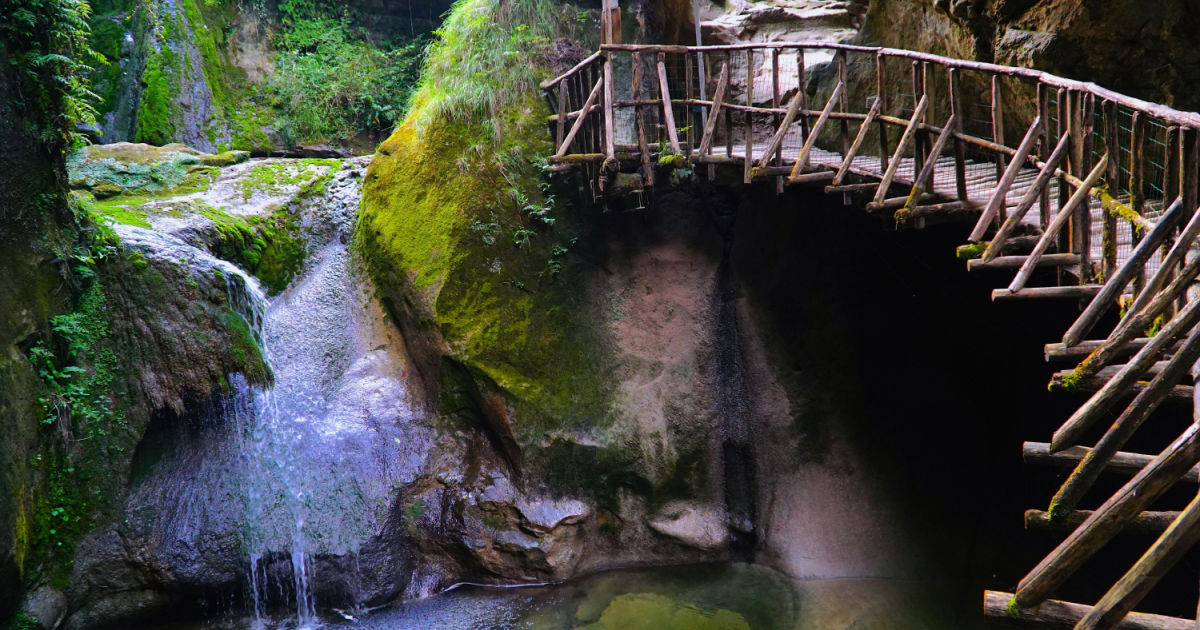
(706, 597)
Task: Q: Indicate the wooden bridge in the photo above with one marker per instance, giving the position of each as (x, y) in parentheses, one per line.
(920, 139)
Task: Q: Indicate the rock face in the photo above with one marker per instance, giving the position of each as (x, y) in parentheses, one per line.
(183, 70)
(1144, 50)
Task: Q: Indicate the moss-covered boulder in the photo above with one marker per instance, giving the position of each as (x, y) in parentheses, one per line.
(579, 343)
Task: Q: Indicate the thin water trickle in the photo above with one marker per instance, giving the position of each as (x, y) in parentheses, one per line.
(294, 481)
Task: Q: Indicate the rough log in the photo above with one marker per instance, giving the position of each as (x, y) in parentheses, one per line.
(1057, 224)
(1015, 262)
(1083, 418)
(901, 147)
(1089, 469)
(1034, 193)
(1146, 572)
(1010, 175)
(718, 97)
(1132, 265)
(1080, 291)
(1110, 518)
(1066, 614)
(1058, 352)
(1121, 462)
(1147, 523)
(811, 140)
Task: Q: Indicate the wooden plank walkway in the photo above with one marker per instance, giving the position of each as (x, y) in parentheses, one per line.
(1108, 188)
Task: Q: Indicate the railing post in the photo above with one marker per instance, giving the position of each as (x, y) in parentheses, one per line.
(918, 90)
(1112, 144)
(1188, 184)
(801, 84)
(689, 92)
(610, 146)
(844, 126)
(998, 122)
(1083, 224)
(1170, 189)
(776, 119)
(881, 94)
(960, 148)
(1043, 105)
(640, 121)
(1136, 193)
(1064, 188)
(748, 162)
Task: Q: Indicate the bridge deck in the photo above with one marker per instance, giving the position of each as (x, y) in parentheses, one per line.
(1114, 186)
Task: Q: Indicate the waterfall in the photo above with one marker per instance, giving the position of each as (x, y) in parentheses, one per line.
(286, 489)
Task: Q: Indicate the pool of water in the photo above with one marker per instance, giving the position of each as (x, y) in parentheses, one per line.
(705, 597)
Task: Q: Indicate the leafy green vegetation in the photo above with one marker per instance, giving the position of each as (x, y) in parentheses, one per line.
(46, 44)
(487, 56)
(329, 83)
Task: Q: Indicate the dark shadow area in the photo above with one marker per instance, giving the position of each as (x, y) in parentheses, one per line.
(886, 334)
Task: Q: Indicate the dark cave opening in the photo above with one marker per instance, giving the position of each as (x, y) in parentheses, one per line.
(940, 387)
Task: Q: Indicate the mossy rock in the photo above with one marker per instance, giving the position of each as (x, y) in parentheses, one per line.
(226, 158)
(520, 338)
(104, 190)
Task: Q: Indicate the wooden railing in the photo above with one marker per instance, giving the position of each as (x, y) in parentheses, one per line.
(1114, 179)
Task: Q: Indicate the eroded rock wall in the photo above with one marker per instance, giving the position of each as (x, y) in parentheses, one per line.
(1147, 50)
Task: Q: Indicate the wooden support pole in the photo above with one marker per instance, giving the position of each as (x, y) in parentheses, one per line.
(918, 90)
(960, 147)
(802, 159)
(992, 210)
(1015, 262)
(777, 151)
(998, 123)
(561, 126)
(1070, 292)
(690, 117)
(921, 182)
(610, 144)
(1089, 469)
(587, 105)
(1035, 191)
(1138, 322)
(1059, 352)
(1064, 190)
(881, 98)
(1146, 572)
(1079, 198)
(1116, 284)
(802, 86)
(843, 124)
(668, 110)
(1060, 614)
(1068, 434)
(1112, 143)
(848, 159)
(640, 122)
(748, 132)
(1137, 195)
(1174, 257)
(1150, 522)
(1109, 518)
(905, 139)
(1043, 103)
(1039, 453)
(718, 97)
(1081, 223)
(781, 132)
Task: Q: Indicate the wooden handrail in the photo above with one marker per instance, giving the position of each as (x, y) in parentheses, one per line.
(1167, 114)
